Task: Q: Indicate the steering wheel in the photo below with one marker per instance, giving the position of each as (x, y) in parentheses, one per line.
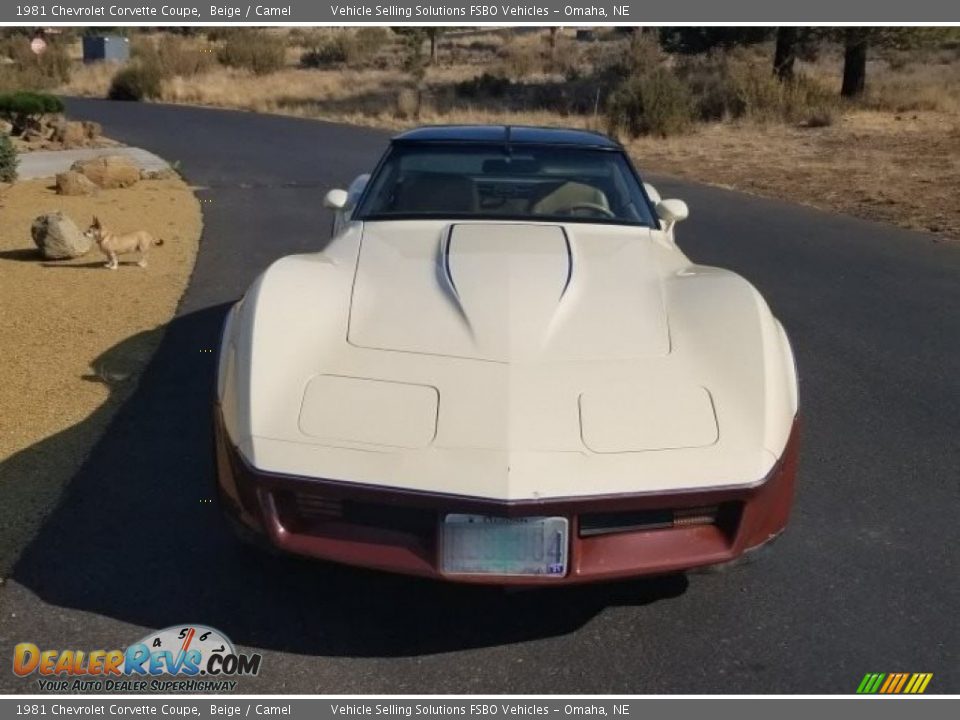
(591, 207)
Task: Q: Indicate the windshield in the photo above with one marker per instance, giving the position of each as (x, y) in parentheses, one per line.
(525, 182)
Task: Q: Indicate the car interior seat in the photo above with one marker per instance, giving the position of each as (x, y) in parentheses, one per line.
(567, 196)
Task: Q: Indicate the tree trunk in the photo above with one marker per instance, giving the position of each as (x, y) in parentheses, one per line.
(854, 62)
(433, 46)
(785, 55)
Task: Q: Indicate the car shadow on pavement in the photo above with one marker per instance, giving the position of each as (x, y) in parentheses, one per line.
(138, 537)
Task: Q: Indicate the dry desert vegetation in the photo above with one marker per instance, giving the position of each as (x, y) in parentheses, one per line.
(81, 334)
(701, 103)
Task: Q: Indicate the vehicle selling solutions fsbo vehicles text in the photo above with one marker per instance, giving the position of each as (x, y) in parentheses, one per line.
(481, 11)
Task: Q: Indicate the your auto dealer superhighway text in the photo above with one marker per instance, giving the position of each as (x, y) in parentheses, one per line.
(145, 11)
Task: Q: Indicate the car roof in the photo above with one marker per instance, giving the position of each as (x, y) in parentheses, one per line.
(508, 134)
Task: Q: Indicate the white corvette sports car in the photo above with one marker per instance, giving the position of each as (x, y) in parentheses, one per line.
(502, 369)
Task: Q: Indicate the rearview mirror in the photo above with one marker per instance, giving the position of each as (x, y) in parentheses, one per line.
(336, 199)
(672, 211)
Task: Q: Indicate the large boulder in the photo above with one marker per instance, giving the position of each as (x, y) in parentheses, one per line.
(58, 237)
(73, 183)
(109, 171)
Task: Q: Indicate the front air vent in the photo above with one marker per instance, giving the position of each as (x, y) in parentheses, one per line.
(725, 516)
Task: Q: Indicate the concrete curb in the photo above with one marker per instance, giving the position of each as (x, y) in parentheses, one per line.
(47, 163)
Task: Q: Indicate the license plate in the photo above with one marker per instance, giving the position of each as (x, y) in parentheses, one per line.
(484, 545)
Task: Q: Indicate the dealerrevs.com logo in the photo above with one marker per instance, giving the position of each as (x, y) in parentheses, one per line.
(181, 658)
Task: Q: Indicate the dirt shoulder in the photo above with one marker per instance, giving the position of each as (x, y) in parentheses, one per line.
(896, 168)
(77, 335)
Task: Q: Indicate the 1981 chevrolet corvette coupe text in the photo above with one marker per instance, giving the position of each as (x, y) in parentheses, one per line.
(502, 369)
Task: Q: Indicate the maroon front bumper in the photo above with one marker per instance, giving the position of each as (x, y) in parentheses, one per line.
(611, 536)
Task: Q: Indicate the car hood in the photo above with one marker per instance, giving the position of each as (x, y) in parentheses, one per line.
(508, 292)
(506, 360)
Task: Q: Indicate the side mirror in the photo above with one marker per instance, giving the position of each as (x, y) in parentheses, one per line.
(652, 193)
(672, 211)
(335, 199)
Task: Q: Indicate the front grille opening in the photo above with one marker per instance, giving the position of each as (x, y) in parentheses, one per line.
(391, 517)
(724, 516)
(302, 510)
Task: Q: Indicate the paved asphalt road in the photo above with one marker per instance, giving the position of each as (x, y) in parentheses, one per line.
(866, 578)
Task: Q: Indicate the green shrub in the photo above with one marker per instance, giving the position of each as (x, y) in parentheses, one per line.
(653, 103)
(23, 107)
(138, 81)
(258, 52)
(8, 160)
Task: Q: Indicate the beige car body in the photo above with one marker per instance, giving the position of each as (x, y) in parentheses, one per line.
(509, 361)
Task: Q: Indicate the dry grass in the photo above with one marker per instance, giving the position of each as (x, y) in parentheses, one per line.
(81, 335)
(895, 149)
(901, 169)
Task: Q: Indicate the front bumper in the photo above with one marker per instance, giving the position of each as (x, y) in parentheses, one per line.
(399, 531)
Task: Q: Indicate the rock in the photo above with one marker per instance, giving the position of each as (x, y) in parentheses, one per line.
(34, 124)
(33, 136)
(164, 174)
(73, 183)
(92, 129)
(109, 171)
(6, 128)
(58, 237)
(70, 134)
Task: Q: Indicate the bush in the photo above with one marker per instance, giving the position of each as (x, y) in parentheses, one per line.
(409, 102)
(47, 70)
(820, 117)
(328, 52)
(517, 61)
(732, 88)
(259, 52)
(23, 107)
(222, 33)
(173, 56)
(367, 42)
(136, 82)
(8, 160)
(653, 103)
(486, 85)
(354, 49)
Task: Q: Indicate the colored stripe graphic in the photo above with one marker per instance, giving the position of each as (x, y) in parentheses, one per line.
(894, 683)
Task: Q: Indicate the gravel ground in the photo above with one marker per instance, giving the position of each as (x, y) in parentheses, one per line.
(75, 335)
